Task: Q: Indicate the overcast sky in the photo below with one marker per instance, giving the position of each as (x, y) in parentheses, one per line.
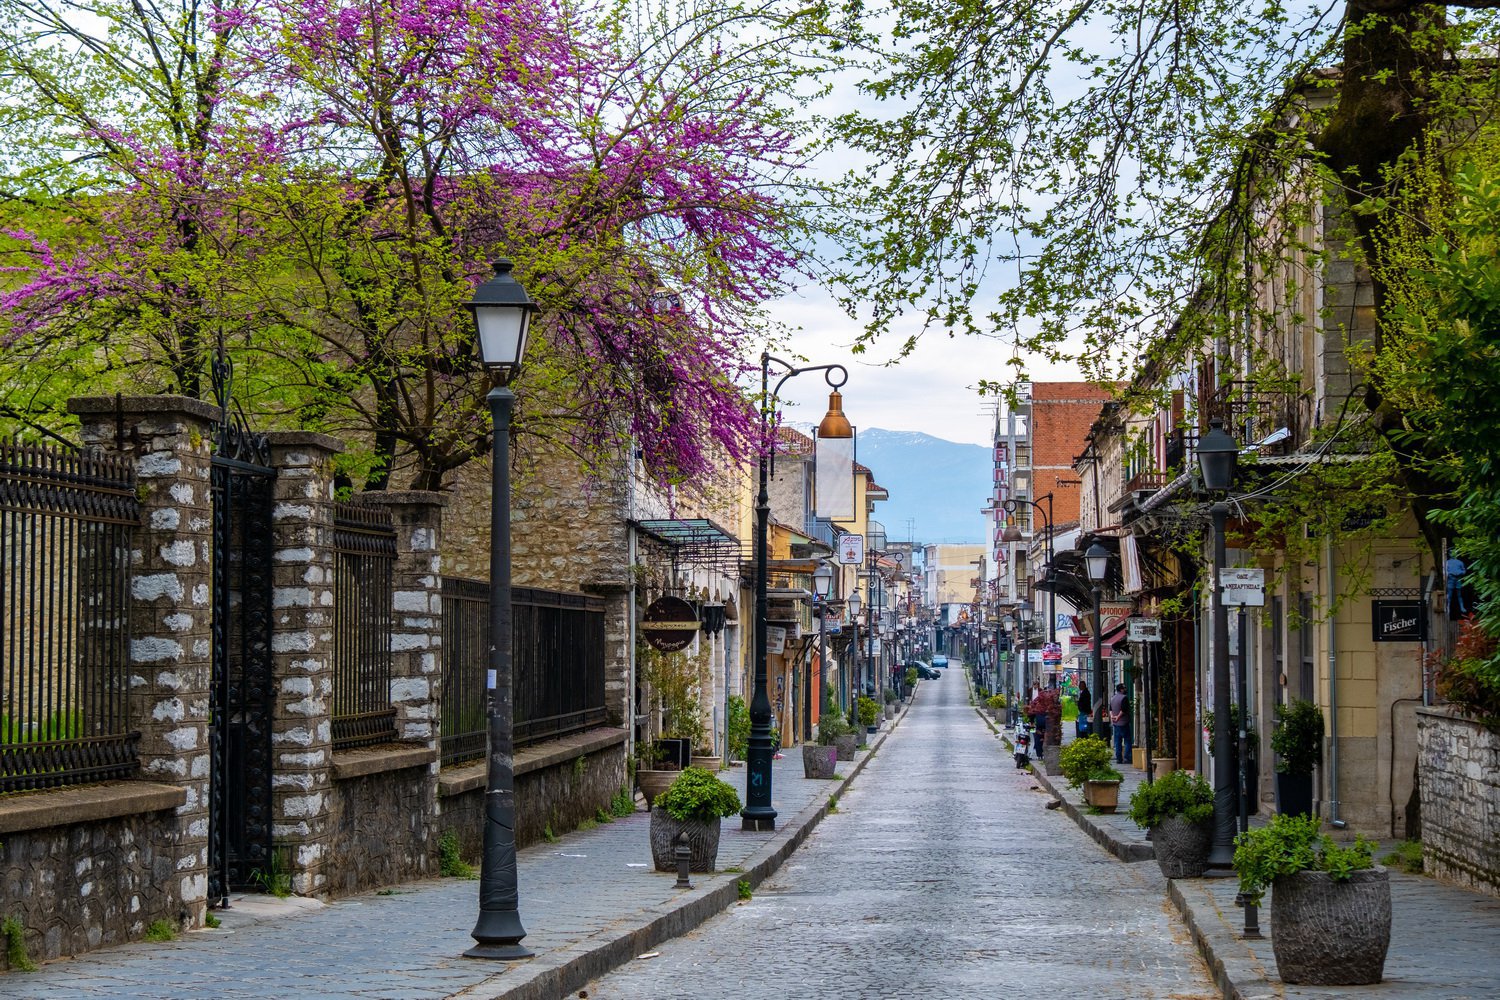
(931, 391)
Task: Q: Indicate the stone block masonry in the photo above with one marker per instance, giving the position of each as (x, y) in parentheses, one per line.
(1458, 767)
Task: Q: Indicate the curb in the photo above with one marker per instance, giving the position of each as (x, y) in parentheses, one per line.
(1241, 977)
(564, 971)
(1126, 850)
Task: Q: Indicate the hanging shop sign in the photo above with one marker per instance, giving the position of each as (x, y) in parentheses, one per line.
(1052, 653)
(1143, 629)
(670, 624)
(1398, 621)
(775, 640)
(851, 549)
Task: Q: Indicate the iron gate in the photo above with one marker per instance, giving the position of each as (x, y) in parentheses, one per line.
(239, 830)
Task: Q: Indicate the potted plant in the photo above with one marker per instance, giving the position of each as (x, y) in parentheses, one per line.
(819, 759)
(1047, 705)
(890, 703)
(654, 774)
(997, 704)
(869, 712)
(1086, 762)
(1297, 741)
(911, 683)
(1330, 904)
(694, 804)
(1178, 809)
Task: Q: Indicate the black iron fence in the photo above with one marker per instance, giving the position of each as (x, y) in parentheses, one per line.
(558, 665)
(364, 543)
(66, 527)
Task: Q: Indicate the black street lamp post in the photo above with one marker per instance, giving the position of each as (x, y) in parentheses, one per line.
(1013, 534)
(1217, 453)
(758, 813)
(822, 588)
(1097, 561)
(502, 316)
(854, 604)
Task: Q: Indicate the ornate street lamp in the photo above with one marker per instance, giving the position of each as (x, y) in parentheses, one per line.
(502, 318)
(822, 589)
(1096, 559)
(1217, 455)
(1013, 534)
(758, 813)
(854, 603)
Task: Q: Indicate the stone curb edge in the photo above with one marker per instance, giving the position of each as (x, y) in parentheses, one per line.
(1129, 851)
(571, 968)
(1235, 977)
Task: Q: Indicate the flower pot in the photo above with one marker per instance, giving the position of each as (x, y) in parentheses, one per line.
(709, 762)
(819, 761)
(653, 782)
(1138, 758)
(703, 842)
(1102, 795)
(1163, 766)
(1294, 794)
(1328, 933)
(1182, 847)
(845, 745)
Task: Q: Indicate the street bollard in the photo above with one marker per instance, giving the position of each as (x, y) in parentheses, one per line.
(684, 855)
(1252, 916)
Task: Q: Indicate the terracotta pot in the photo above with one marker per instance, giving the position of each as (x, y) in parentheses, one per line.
(703, 842)
(1328, 933)
(1182, 847)
(1102, 795)
(652, 783)
(819, 761)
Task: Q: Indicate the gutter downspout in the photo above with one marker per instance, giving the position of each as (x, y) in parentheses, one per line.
(1333, 693)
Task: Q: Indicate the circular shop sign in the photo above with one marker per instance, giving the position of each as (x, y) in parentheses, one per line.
(670, 624)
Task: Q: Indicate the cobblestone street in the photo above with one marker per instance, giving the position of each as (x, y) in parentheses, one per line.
(941, 875)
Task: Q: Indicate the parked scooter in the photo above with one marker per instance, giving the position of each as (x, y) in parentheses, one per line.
(1023, 744)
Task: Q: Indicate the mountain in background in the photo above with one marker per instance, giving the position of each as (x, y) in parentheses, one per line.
(939, 484)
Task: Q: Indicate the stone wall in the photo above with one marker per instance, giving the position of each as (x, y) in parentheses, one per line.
(1459, 771)
(76, 886)
(559, 784)
(381, 823)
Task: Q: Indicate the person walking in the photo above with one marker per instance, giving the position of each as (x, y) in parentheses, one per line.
(1085, 704)
(1119, 721)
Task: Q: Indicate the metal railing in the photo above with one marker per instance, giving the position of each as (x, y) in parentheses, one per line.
(364, 544)
(558, 666)
(67, 523)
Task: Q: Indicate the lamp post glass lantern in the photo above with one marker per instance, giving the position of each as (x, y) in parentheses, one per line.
(758, 813)
(1096, 560)
(502, 318)
(1217, 456)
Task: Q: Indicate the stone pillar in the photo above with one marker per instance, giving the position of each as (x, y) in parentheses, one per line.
(169, 438)
(302, 652)
(417, 610)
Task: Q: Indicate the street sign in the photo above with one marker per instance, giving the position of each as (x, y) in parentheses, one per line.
(1244, 587)
(1398, 621)
(775, 640)
(670, 624)
(1143, 629)
(851, 549)
(1033, 656)
(1052, 653)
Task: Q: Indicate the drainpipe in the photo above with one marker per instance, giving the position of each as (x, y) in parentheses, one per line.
(1333, 693)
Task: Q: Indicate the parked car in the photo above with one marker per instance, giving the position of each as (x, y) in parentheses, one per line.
(924, 671)
(940, 661)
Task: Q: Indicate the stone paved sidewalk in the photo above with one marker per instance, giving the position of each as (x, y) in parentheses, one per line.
(588, 901)
(1445, 941)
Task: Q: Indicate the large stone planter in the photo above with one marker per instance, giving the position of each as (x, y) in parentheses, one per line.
(1138, 758)
(1163, 766)
(652, 783)
(890, 710)
(1102, 795)
(703, 842)
(845, 745)
(1182, 847)
(709, 762)
(819, 761)
(1328, 933)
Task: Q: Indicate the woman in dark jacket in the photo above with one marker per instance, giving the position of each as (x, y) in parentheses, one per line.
(1085, 722)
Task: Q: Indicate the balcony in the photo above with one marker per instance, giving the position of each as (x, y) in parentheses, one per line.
(1252, 413)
